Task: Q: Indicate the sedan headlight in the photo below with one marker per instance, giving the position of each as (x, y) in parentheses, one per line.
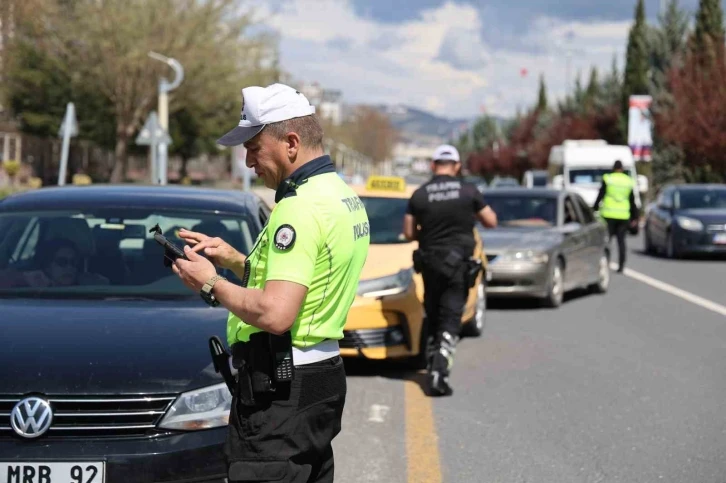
(530, 256)
(388, 285)
(203, 408)
(690, 224)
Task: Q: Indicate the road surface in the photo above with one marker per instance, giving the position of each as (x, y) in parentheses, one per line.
(623, 387)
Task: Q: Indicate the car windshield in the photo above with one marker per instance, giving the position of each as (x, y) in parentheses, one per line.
(103, 254)
(587, 175)
(524, 211)
(385, 216)
(705, 198)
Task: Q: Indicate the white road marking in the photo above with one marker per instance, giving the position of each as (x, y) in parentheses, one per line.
(687, 296)
(377, 413)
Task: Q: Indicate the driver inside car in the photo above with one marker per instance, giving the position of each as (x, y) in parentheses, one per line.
(59, 263)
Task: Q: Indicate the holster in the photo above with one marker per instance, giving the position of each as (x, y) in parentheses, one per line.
(220, 359)
(256, 362)
(447, 263)
(473, 268)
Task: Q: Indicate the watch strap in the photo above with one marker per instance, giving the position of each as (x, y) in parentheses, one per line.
(209, 284)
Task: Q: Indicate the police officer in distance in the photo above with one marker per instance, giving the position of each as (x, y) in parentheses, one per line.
(618, 207)
(441, 215)
(299, 281)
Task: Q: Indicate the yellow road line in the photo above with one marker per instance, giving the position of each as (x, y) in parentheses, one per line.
(422, 442)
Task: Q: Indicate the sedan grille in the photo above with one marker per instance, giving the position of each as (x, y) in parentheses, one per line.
(716, 227)
(96, 416)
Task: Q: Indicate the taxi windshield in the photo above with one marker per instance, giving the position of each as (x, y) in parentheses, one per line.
(385, 216)
(93, 254)
(523, 211)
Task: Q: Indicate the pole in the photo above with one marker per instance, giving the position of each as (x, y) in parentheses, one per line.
(164, 88)
(154, 159)
(568, 56)
(67, 127)
(164, 121)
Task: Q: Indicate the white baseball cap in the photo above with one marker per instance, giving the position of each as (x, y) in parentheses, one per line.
(265, 105)
(446, 152)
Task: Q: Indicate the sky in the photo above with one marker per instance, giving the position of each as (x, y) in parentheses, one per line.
(453, 58)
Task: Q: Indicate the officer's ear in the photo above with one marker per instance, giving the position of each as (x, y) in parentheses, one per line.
(293, 141)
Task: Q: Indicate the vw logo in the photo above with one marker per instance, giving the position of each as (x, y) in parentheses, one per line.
(31, 417)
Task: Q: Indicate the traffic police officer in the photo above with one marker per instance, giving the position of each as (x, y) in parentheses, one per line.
(299, 281)
(441, 215)
(618, 206)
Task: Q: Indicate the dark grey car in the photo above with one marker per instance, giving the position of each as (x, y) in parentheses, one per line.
(548, 242)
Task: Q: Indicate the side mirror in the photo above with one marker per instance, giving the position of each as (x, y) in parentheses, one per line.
(642, 183)
(558, 182)
(571, 227)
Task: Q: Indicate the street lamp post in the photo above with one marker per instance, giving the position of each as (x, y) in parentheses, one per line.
(160, 170)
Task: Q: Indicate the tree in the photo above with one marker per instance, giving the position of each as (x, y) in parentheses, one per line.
(695, 122)
(667, 44)
(367, 131)
(708, 36)
(592, 92)
(636, 62)
(542, 96)
(103, 46)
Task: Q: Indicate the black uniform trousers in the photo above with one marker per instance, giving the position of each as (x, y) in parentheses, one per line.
(444, 300)
(286, 436)
(619, 228)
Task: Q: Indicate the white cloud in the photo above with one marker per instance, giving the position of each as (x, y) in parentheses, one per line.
(438, 61)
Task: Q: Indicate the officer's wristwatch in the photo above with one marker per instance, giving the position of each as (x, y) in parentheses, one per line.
(206, 292)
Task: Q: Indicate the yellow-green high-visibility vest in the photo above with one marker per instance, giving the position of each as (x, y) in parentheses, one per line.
(616, 203)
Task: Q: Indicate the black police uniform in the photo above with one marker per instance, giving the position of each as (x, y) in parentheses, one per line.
(445, 208)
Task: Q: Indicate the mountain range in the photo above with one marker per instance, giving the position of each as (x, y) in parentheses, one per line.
(416, 125)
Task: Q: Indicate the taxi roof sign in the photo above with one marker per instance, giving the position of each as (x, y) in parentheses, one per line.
(386, 183)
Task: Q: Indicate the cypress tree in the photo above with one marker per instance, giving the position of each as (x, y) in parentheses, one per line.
(636, 59)
(593, 89)
(708, 36)
(542, 96)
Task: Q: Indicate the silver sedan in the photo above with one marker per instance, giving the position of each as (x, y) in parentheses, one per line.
(548, 242)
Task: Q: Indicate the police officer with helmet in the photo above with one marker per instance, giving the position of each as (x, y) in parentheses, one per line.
(441, 215)
(618, 207)
(298, 283)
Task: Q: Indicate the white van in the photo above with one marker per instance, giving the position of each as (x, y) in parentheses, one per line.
(580, 165)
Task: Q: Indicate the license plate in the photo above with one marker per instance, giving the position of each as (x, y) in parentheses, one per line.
(719, 238)
(56, 472)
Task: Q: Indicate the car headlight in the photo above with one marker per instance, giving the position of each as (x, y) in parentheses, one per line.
(689, 223)
(203, 408)
(388, 285)
(530, 256)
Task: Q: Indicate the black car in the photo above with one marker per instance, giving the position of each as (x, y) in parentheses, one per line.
(106, 374)
(687, 219)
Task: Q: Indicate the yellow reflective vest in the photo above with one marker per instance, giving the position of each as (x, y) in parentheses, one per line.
(616, 203)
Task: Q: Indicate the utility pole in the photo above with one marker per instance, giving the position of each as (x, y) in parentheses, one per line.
(160, 171)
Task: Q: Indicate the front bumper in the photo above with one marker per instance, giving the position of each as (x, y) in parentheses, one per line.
(194, 457)
(518, 279)
(699, 242)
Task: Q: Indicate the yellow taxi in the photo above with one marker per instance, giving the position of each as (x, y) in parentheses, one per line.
(387, 319)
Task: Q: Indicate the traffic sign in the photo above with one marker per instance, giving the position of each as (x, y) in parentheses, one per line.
(152, 133)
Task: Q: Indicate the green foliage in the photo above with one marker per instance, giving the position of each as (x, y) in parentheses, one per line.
(96, 55)
(636, 62)
(481, 136)
(709, 31)
(542, 95)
